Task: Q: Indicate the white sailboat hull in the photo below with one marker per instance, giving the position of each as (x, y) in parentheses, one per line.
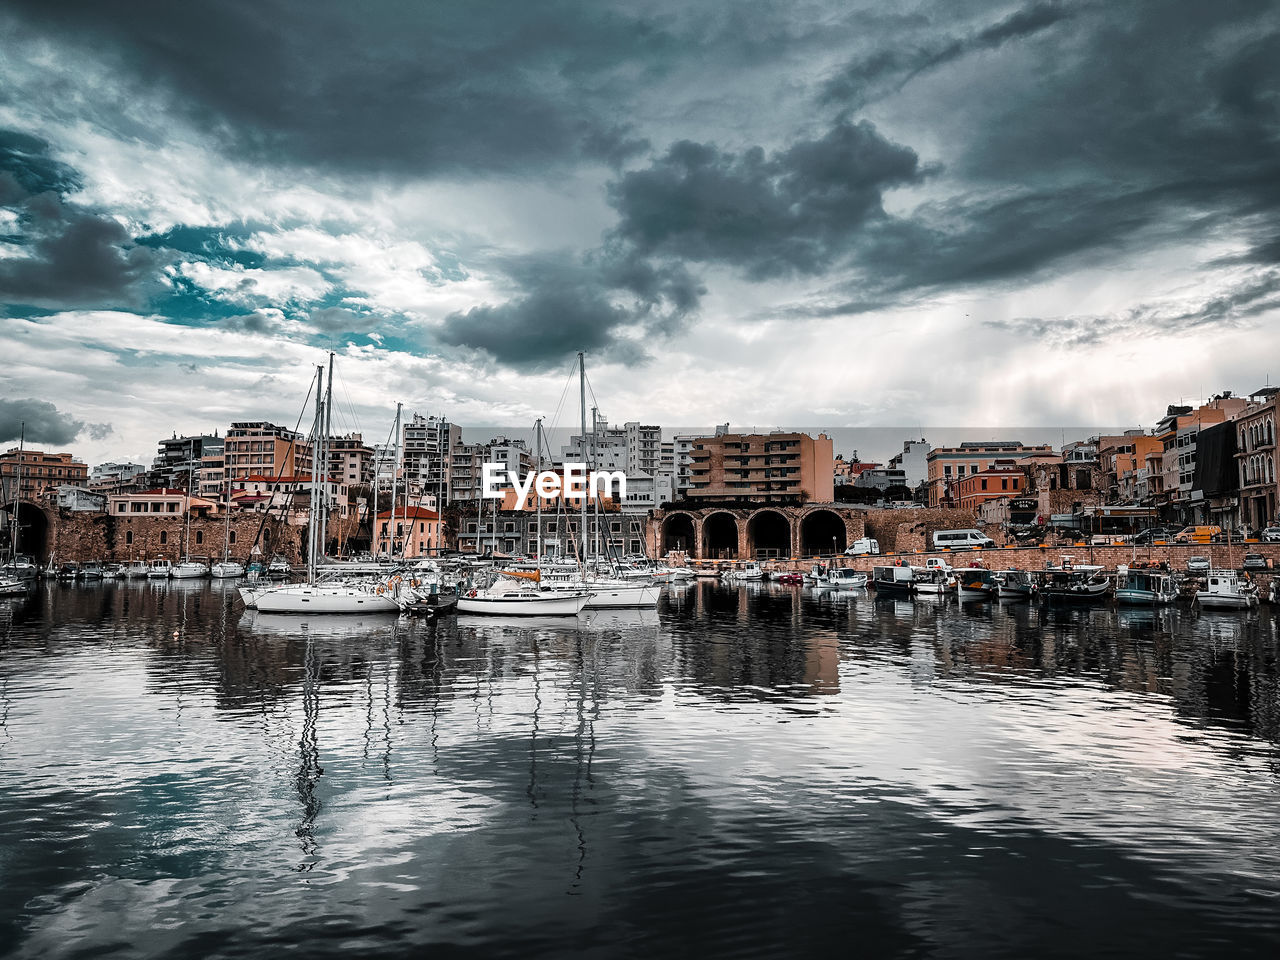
(323, 598)
(550, 604)
(189, 571)
(629, 595)
(227, 569)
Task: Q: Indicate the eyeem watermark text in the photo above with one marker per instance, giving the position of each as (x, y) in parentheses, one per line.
(575, 481)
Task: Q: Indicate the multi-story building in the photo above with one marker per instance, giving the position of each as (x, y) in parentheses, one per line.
(39, 471)
(785, 467)
(350, 459)
(211, 478)
(177, 461)
(116, 477)
(683, 448)
(426, 455)
(948, 465)
(467, 460)
(1178, 430)
(408, 532)
(288, 496)
(1255, 458)
(881, 479)
(258, 448)
(1003, 479)
(644, 448)
(1121, 459)
(913, 461)
(602, 446)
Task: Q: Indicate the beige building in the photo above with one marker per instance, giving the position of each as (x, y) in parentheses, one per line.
(947, 466)
(257, 448)
(774, 467)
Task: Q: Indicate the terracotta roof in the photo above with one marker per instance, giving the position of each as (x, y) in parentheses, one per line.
(413, 513)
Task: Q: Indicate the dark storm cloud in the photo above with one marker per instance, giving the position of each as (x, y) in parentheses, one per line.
(413, 89)
(340, 320)
(564, 306)
(67, 256)
(795, 211)
(888, 69)
(44, 424)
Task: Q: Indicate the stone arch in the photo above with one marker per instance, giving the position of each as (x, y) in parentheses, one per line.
(769, 534)
(679, 532)
(822, 532)
(35, 530)
(720, 536)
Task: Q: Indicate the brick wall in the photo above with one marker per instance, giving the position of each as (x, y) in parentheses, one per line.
(81, 537)
(908, 530)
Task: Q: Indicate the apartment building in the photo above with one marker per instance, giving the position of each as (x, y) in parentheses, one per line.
(428, 444)
(949, 465)
(771, 467)
(256, 447)
(39, 471)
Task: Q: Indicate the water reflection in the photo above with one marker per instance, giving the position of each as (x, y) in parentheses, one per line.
(179, 775)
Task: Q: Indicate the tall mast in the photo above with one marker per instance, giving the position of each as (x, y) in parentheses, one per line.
(395, 481)
(324, 461)
(595, 465)
(186, 521)
(312, 534)
(537, 440)
(582, 410)
(16, 531)
(226, 533)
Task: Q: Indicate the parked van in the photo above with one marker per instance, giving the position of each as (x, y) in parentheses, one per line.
(961, 540)
(864, 547)
(1197, 534)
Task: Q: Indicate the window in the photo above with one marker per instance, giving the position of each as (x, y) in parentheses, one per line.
(199, 537)
(231, 537)
(164, 537)
(128, 538)
(984, 483)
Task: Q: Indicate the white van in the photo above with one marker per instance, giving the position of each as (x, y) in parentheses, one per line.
(861, 548)
(961, 540)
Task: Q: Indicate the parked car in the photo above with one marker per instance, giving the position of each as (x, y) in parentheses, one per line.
(1254, 561)
(1152, 534)
(1270, 535)
(961, 539)
(1198, 565)
(1198, 534)
(863, 547)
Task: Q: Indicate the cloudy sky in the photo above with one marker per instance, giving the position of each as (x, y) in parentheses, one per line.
(816, 212)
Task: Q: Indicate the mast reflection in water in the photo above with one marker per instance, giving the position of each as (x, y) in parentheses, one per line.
(753, 771)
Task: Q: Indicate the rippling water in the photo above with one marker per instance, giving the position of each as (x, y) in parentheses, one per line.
(748, 772)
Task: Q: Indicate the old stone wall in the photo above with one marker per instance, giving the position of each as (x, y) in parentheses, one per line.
(1034, 558)
(81, 537)
(907, 530)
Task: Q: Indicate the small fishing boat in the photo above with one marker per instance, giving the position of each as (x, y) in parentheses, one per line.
(1014, 585)
(112, 571)
(135, 568)
(974, 583)
(68, 571)
(932, 581)
(818, 576)
(91, 571)
(897, 579)
(1073, 583)
(160, 569)
(11, 586)
(1227, 590)
(279, 568)
(1146, 588)
(749, 572)
(21, 567)
(845, 578)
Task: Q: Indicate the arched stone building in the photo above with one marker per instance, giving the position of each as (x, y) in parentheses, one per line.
(764, 532)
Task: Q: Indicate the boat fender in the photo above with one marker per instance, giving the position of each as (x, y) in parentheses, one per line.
(415, 583)
(381, 588)
(471, 594)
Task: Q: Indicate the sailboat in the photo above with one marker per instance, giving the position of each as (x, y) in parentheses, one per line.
(189, 568)
(18, 567)
(335, 596)
(226, 568)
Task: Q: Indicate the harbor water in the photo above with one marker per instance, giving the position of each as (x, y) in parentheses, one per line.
(754, 771)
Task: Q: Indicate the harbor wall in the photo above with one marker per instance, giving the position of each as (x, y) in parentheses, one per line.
(80, 537)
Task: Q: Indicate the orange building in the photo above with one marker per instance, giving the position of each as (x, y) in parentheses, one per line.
(786, 467)
(949, 465)
(1001, 480)
(39, 471)
(416, 533)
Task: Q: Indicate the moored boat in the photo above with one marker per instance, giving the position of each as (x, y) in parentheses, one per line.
(160, 569)
(897, 579)
(227, 569)
(932, 581)
(1074, 583)
(191, 568)
(845, 578)
(339, 597)
(974, 583)
(511, 598)
(1146, 588)
(1014, 585)
(1227, 590)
